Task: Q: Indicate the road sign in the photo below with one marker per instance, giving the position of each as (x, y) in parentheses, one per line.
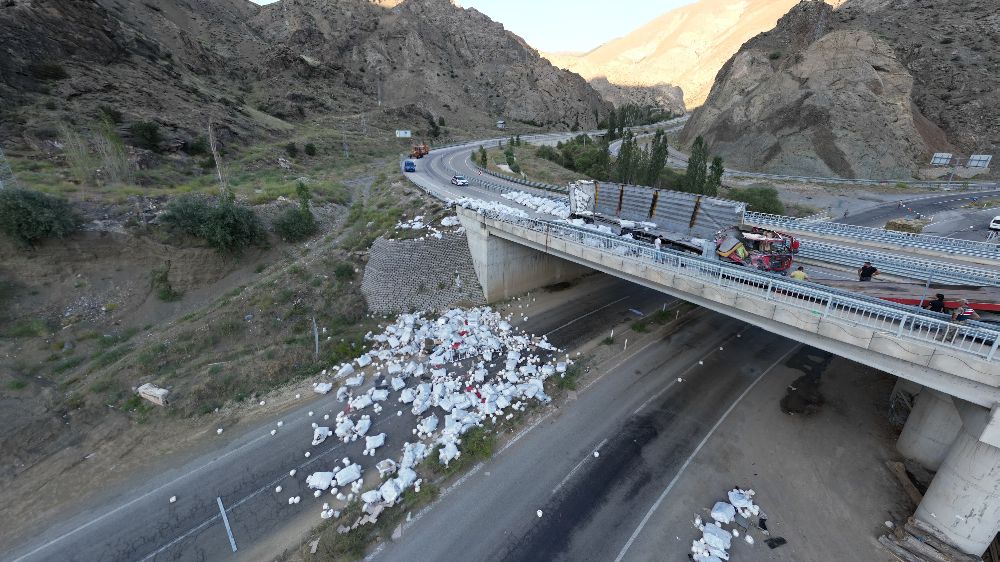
(941, 159)
(402, 134)
(980, 160)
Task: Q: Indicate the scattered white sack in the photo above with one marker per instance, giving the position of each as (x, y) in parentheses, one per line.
(373, 442)
(291, 472)
(723, 512)
(390, 490)
(748, 538)
(717, 537)
(262, 402)
(348, 474)
(218, 431)
(274, 432)
(448, 453)
(371, 496)
(323, 388)
(307, 454)
(355, 381)
(346, 370)
(361, 402)
(427, 425)
(173, 499)
(380, 395)
(397, 384)
(538, 513)
(280, 423)
(277, 489)
(361, 428)
(596, 454)
(317, 493)
(364, 360)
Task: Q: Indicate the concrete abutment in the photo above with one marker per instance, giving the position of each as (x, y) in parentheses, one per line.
(930, 429)
(506, 269)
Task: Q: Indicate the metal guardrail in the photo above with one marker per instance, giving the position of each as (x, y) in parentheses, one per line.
(520, 181)
(975, 338)
(990, 250)
(902, 266)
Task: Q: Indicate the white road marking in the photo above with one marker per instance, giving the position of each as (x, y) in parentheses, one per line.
(225, 519)
(680, 472)
(584, 316)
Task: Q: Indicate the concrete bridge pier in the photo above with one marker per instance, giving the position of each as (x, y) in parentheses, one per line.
(506, 269)
(930, 429)
(963, 500)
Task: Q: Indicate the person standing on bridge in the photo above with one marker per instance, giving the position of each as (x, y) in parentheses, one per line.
(936, 305)
(658, 243)
(867, 271)
(964, 312)
(800, 274)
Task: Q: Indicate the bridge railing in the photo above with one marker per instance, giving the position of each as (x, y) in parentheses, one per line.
(911, 240)
(910, 267)
(975, 338)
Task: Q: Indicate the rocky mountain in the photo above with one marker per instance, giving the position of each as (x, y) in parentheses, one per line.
(867, 90)
(259, 69)
(665, 96)
(686, 46)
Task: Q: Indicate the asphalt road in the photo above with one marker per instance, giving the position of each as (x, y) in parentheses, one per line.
(928, 205)
(141, 524)
(644, 423)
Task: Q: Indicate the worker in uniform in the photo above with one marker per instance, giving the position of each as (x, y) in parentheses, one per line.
(867, 271)
(800, 274)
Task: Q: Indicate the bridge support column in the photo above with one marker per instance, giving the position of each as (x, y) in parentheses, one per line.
(963, 500)
(506, 269)
(930, 430)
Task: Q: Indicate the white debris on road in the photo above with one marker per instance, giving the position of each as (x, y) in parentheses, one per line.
(440, 368)
(716, 541)
(481, 206)
(544, 205)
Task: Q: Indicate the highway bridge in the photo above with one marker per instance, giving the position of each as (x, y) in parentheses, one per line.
(958, 366)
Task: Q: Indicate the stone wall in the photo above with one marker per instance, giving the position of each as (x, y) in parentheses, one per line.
(429, 274)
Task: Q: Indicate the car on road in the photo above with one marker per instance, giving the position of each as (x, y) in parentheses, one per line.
(409, 166)
(459, 180)
(995, 223)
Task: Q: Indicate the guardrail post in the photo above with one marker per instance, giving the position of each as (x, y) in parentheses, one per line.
(770, 287)
(829, 305)
(902, 325)
(993, 350)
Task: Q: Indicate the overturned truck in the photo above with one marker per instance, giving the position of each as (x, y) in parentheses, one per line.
(683, 221)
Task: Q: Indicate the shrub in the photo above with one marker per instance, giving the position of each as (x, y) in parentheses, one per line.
(343, 271)
(225, 225)
(310, 149)
(110, 114)
(16, 385)
(28, 216)
(758, 199)
(297, 224)
(146, 134)
(197, 147)
(775, 55)
(291, 150)
(47, 70)
(160, 282)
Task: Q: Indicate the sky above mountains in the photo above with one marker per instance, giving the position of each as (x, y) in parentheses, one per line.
(568, 25)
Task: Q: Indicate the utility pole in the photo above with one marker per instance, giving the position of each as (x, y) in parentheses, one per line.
(7, 179)
(223, 186)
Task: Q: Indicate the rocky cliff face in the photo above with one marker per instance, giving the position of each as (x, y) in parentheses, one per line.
(257, 70)
(685, 46)
(867, 90)
(436, 55)
(665, 96)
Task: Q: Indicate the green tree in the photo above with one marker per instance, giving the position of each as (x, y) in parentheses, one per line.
(297, 224)
(310, 149)
(656, 160)
(760, 199)
(435, 130)
(612, 125)
(714, 182)
(697, 168)
(483, 158)
(291, 150)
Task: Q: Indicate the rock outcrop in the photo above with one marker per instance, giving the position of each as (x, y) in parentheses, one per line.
(808, 98)
(663, 96)
(685, 46)
(259, 69)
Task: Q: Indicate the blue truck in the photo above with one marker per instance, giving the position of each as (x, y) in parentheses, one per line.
(409, 166)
